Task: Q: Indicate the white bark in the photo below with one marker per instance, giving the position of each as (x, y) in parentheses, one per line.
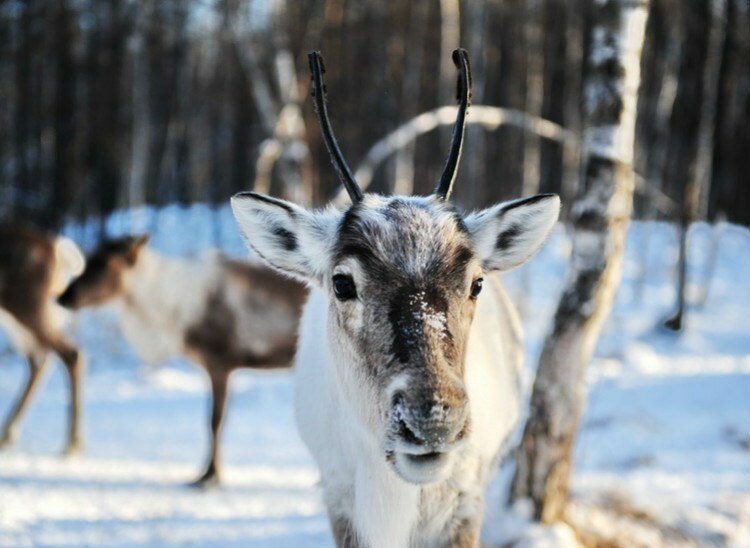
(600, 219)
(281, 117)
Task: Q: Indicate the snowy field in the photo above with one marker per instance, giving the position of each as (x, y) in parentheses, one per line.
(665, 439)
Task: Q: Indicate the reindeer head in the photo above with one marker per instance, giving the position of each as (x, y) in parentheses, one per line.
(107, 273)
(402, 277)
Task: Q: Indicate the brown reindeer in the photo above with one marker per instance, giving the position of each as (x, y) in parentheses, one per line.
(221, 314)
(34, 270)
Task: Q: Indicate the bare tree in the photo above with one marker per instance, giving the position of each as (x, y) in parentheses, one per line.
(680, 165)
(141, 136)
(532, 143)
(490, 118)
(411, 84)
(600, 218)
(280, 113)
(695, 195)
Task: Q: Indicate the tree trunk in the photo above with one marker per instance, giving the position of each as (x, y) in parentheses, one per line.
(600, 219)
(141, 132)
(63, 177)
(403, 182)
(680, 167)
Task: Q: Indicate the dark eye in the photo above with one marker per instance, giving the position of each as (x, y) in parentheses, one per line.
(343, 287)
(476, 288)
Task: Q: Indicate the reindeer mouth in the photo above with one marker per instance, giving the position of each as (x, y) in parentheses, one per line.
(422, 468)
(420, 446)
(418, 462)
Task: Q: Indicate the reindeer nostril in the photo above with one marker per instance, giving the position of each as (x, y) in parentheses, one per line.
(407, 434)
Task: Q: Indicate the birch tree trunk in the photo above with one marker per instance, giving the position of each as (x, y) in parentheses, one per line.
(600, 218)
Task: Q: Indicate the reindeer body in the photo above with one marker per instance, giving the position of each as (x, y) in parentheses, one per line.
(35, 268)
(219, 313)
(361, 490)
(407, 378)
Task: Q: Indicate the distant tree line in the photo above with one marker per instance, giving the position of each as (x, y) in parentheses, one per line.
(108, 104)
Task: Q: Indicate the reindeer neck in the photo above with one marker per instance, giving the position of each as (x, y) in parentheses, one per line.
(167, 292)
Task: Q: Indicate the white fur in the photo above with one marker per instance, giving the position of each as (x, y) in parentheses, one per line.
(534, 222)
(335, 419)
(164, 297)
(337, 409)
(314, 232)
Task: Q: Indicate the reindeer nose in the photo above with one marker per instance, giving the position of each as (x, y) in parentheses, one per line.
(430, 420)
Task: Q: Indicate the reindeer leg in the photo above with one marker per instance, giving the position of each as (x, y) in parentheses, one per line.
(219, 380)
(74, 365)
(37, 365)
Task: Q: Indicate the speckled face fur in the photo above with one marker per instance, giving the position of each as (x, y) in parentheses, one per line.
(414, 278)
(402, 276)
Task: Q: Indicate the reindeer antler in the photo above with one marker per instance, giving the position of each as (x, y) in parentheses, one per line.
(461, 60)
(317, 69)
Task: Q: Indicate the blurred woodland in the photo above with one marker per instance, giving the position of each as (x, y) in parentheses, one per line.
(110, 104)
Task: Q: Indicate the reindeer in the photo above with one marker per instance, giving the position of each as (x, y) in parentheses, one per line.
(219, 313)
(407, 379)
(34, 269)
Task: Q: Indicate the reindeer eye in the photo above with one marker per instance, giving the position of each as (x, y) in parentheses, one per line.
(343, 287)
(476, 288)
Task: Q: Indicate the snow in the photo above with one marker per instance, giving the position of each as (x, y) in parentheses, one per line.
(665, 438)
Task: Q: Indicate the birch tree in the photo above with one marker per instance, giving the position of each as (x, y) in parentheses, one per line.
(600, 219)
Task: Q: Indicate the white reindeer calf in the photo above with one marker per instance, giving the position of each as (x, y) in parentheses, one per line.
(407, 378)
(220, 313)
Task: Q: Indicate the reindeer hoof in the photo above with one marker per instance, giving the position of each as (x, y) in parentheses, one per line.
(7, 440)
(674, 323)
(209, 480)
(73, 449)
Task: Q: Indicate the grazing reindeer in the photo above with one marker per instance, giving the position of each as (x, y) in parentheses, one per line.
(34, 270)
(407, 379)
(220, 313)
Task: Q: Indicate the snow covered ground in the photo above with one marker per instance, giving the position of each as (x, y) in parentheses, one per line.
(665, 439)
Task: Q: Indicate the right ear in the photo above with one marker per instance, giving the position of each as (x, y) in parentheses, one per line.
(135, 247)
(286, 236)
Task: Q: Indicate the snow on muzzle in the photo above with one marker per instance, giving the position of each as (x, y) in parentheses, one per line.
(425, 425)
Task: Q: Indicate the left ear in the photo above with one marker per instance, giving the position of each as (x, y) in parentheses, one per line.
(509, 234)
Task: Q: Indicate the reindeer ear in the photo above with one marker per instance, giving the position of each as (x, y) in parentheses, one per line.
(137, 243)
(509, 234)
(286, 236)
